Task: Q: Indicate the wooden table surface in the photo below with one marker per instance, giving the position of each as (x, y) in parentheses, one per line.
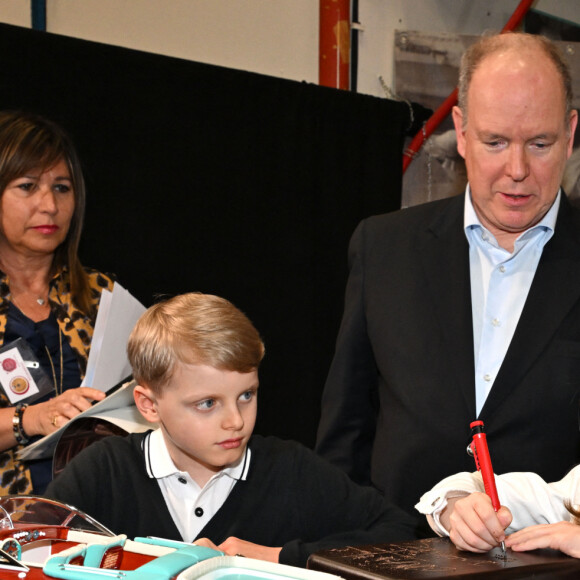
(436, 558)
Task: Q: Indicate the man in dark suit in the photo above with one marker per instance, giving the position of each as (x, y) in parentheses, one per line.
(469, 307)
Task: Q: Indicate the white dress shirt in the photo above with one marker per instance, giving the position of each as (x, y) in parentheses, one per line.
(190, 506)
(530, 499)
(500, 282)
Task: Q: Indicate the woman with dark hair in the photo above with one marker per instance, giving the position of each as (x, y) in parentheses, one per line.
(47, 298)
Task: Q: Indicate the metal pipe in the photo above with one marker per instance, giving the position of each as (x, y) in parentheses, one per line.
(444, 109)
(334, 44)
(38, 15)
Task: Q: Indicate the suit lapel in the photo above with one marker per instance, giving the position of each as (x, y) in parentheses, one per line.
(444, 253)
(554, 291)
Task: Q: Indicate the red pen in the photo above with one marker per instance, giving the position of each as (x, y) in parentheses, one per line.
(480, 452)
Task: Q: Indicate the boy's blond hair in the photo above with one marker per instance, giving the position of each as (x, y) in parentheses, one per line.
(192, 328)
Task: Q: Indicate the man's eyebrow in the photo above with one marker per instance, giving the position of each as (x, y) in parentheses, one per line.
(490, 135)
(544, 136)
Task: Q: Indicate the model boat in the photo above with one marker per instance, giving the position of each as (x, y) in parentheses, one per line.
(42, 539)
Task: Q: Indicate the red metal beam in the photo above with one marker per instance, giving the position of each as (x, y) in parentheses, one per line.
(442, 112)
(334, 44)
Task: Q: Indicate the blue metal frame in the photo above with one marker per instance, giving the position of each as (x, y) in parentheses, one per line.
(38, 14)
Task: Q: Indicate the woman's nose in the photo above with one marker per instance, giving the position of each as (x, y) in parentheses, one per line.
(48, 200)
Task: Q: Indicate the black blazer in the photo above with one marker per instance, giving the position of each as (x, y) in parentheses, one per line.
(400, 393)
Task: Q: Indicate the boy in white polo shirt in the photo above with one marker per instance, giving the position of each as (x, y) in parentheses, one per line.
(202, 476)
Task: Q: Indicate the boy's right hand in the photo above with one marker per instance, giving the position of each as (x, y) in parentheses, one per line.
(236, 547)
(473, 524)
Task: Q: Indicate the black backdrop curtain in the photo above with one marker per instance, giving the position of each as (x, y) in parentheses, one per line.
(202, 178)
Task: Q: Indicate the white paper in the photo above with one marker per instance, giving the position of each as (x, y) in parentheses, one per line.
(118, 408)
(127, 418)
(108, 364)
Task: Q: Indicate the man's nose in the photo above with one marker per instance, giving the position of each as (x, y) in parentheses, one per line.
(517, 164)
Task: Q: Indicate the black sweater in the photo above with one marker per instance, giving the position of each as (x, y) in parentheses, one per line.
(291, 498)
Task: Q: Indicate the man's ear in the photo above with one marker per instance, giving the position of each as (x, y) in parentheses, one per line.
(146, 402)
(572, 129)
(457, 115)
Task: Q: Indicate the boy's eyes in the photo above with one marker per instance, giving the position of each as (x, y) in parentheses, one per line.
(208, 404)
(205, 405)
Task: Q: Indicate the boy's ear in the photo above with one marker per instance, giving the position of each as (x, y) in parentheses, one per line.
(146, 402)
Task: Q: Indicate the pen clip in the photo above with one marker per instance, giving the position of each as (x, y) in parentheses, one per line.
(31, 364)
(472, 450)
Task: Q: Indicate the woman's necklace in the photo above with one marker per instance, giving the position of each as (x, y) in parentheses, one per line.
(40, 301)
(33, 305)
(57, 390)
